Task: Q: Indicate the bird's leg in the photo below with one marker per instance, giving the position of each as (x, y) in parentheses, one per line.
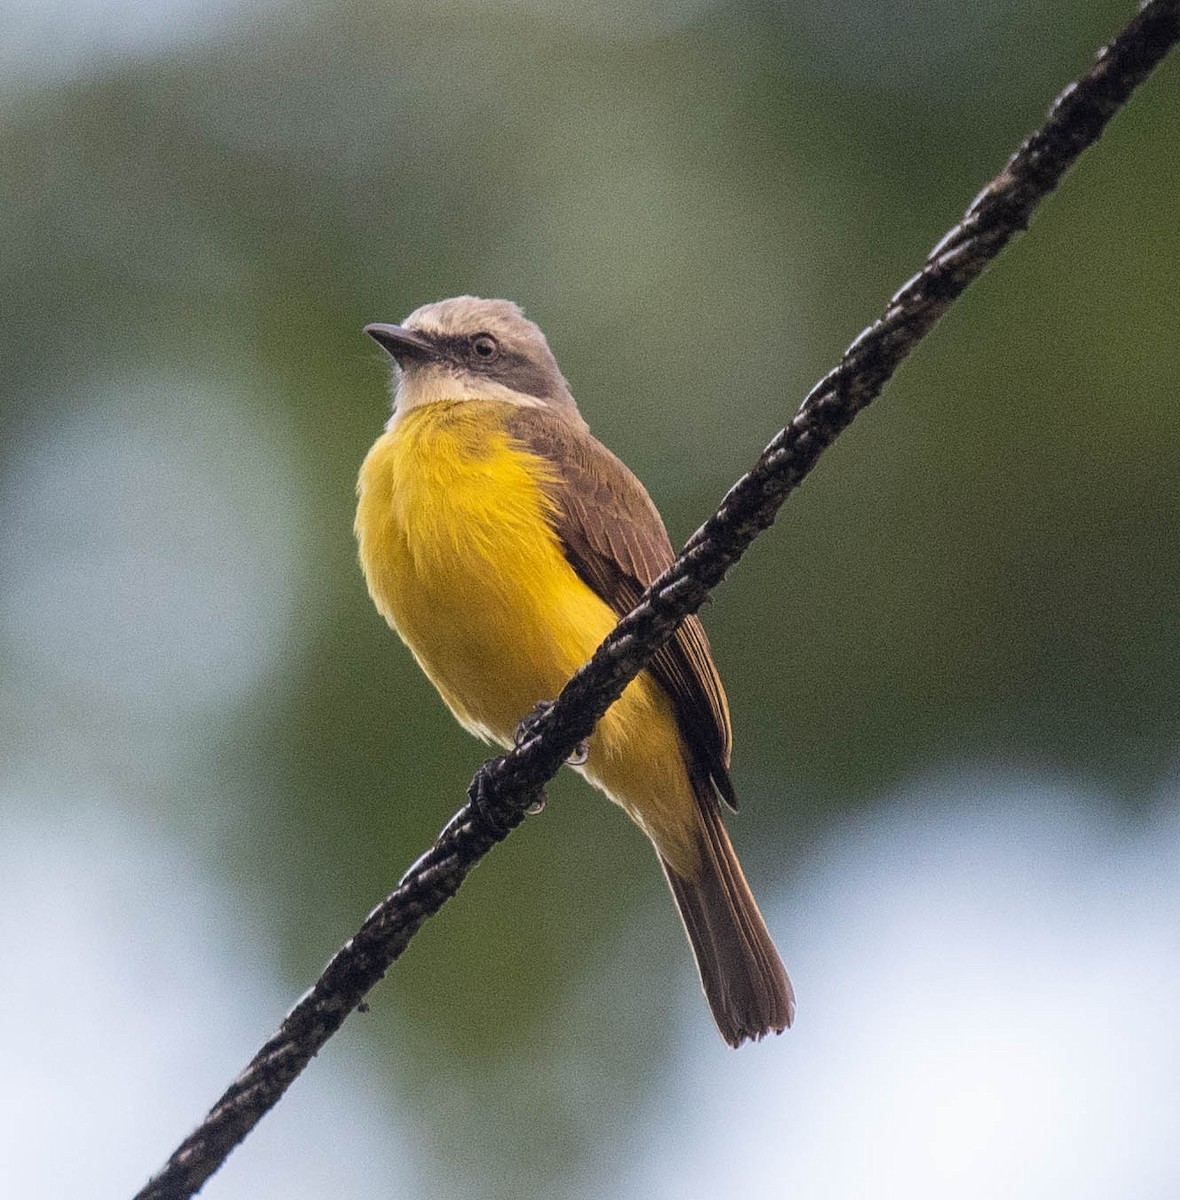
(487, 811)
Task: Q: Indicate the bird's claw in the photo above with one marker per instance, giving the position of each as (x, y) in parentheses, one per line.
(528, 726)
(490, 811)
(530, 721)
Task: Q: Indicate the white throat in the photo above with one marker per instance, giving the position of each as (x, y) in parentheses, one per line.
(424, 384)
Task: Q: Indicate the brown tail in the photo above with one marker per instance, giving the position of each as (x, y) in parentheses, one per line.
(744, 979)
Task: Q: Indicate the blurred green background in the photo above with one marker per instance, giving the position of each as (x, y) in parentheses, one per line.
(702, 204)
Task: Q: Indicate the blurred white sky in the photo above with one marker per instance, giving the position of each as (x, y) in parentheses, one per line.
(150, 544)
(137, 988)
(150, 556)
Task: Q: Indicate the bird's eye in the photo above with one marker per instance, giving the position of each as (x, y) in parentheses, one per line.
(484, 346)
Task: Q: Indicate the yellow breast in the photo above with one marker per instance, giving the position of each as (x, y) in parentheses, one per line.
(458, 547)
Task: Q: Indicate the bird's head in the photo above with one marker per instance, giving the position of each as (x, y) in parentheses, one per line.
(472, 349)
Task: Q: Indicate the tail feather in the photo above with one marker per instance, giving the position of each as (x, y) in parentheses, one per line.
(742, 975)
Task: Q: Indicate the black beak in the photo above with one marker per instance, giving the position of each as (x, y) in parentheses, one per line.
(402, 344)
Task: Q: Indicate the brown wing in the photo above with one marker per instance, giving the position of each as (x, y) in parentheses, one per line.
(614, 538)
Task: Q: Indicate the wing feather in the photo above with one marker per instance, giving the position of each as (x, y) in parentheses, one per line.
(614, 538)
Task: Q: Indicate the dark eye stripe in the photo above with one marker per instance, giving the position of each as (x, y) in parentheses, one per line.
(511, 368)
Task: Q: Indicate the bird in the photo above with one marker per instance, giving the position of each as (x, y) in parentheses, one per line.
(502, 542)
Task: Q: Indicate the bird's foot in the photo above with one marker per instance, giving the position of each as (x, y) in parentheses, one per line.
(528, 726)
(530, 721)
(490, 811)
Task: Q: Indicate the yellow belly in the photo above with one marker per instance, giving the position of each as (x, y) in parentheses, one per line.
(459, 551)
